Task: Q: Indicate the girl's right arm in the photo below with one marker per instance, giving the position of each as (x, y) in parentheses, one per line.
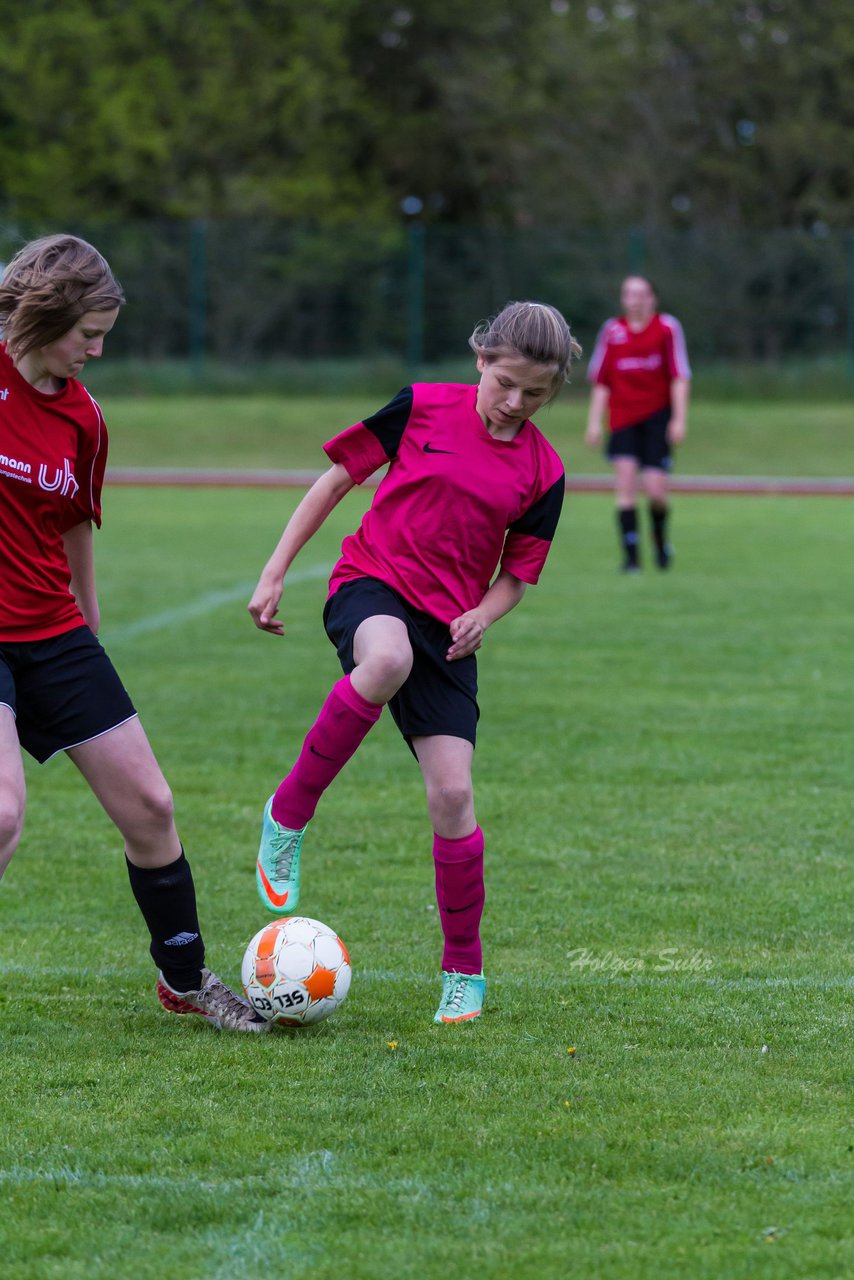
(322, 498)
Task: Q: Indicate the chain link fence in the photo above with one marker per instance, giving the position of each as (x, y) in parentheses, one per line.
(241, 292)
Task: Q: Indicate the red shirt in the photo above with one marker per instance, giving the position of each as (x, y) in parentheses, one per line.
(454, 503)
(53, 450)
(638, 367)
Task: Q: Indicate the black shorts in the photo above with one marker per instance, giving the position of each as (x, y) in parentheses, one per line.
(438, 697)
(63, 691)
(644, 441)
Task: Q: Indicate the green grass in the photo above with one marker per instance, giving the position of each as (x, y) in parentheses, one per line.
(731, 437)
(663, 774)
(827, 377)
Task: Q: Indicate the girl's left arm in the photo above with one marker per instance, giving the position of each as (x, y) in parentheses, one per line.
(680, 391)
(467, 630)
(81, 561)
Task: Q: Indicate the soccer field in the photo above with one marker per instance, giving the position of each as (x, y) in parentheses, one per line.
(660, 1083)
(740, 437)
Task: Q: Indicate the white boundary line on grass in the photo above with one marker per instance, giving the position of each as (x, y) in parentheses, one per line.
(205, 604)
(507, 982)
(308, 1172)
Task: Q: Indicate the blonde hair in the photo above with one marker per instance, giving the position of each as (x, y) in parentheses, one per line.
(48, 286)
(530, 329)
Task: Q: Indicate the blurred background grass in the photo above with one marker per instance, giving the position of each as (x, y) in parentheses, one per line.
(727, 435)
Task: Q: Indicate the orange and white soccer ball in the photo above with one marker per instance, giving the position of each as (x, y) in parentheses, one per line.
(296, 971)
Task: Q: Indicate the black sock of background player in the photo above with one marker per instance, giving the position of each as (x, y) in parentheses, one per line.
(166, 896)
(627, 519)
(658, 515)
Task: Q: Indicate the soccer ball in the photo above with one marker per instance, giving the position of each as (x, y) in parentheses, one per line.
(296, 971)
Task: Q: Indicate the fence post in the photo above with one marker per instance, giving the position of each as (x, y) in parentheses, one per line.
(198, 293)
(415, 299)
(851, 302)
(637, 250)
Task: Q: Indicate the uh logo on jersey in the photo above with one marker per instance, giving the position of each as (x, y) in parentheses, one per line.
(62, 479)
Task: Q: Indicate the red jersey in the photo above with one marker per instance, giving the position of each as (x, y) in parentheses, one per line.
(53, 450)
(454, 503)
(638, 368)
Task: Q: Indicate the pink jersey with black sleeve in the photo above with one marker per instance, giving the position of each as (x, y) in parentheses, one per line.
(454, 504)
(53, 450)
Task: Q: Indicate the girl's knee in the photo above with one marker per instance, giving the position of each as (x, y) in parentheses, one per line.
(387, 667)
(11, 826)
(449, 802)
(157, 806)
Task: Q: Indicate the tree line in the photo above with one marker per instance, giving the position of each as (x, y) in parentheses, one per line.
(656, 113)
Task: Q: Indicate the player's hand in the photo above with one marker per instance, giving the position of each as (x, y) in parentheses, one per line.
(676, 431)
(264, 605)
(593, 435)
(466, 634)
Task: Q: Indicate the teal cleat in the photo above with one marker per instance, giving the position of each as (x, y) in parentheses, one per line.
(277, 868)
(462, 997)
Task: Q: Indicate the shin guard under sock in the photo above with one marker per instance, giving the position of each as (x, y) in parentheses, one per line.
(627, 520)
(658, 516)
(460, 895)
(166, 896)
(344, 720)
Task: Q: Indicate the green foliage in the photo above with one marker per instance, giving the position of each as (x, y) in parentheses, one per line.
(664, 779)
(682, 112)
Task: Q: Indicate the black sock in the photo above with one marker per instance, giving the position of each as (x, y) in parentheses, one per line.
(627, 519)
(166, 896)
(658, 515)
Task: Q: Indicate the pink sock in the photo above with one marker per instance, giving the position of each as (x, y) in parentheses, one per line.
(344, 719)
(460, 894)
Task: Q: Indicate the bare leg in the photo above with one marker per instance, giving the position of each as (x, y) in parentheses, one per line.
(655, 483)
(446, 767)
(13, 792)
(383, 657)
(121, 769)
(625, 482)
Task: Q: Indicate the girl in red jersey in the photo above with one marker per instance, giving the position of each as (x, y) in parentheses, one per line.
(640, 371)
(58, 689)
(472, 487)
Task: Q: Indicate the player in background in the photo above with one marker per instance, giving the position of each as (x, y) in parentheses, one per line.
(462, 521)
(58, 689)
(640, 371)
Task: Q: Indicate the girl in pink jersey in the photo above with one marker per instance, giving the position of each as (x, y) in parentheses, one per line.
(58, 689)
(460, 524)
(640, 372)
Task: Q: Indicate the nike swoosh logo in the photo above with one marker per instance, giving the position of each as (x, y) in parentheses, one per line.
(428, 448)
(314, 751)
(277, 899)
(452, 911)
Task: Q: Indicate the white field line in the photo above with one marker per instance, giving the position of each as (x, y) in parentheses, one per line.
(307, 1172)
(316, 1172)
(205, 604)
(507, 982)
